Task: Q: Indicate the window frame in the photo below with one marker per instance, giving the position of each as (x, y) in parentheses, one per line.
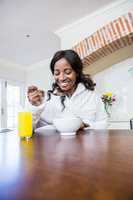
(3, 97)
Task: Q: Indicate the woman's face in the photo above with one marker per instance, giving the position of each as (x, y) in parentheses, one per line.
(64, 75)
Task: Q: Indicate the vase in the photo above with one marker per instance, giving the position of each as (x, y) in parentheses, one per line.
(108, 110)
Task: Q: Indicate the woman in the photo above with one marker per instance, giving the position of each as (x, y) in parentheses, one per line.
(72, 92)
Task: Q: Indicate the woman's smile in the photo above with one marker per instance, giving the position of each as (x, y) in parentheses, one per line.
(64, 76)
(64, 83)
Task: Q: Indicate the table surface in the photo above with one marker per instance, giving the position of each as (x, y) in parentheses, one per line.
(93, 165)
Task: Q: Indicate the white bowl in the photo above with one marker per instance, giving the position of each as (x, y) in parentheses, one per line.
(67, 126)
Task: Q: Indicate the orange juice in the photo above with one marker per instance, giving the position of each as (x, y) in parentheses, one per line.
(25, 124)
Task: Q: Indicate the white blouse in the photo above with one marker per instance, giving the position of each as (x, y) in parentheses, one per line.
(84, 103)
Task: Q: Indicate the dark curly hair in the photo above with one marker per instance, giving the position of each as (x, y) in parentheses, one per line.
(74, 60)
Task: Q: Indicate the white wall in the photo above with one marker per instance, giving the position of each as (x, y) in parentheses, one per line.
(40, 75)
(11, 71)
(119, 80)
(74, 33)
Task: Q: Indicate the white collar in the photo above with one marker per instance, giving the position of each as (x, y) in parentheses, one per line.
(80, 88)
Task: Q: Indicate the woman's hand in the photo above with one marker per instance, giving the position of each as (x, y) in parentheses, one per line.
(83, 125)
(35, 95)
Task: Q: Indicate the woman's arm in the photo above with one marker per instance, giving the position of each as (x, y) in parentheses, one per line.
(97, 117)
(35, 103)
(92, 113)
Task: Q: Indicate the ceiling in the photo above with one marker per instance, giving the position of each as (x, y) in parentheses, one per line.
(27, 26)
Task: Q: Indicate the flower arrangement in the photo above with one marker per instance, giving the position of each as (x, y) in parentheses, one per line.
(108, 98)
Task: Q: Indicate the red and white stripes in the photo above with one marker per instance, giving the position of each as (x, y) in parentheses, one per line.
(113, 36)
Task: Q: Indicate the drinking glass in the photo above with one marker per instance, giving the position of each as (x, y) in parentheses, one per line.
(25, 129)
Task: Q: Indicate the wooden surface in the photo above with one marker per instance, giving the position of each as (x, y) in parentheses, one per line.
(94, 165)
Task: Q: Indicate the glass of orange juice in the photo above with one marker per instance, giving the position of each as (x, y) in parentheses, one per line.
(25, 129)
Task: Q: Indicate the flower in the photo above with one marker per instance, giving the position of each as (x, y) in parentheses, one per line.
(108, 98)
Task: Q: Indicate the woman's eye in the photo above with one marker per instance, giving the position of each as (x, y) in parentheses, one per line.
(56, 73)
(68, 71)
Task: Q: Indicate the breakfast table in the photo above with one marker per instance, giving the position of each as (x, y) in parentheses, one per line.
(92, 165)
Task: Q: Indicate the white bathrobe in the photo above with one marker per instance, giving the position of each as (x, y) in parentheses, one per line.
(84, 103)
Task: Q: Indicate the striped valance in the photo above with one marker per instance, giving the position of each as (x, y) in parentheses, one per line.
(113, 36)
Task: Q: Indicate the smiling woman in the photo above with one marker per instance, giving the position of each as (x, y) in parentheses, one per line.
(65, 76)
(72, 92)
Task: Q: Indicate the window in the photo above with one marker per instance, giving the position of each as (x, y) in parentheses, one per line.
(13, 103)
(11, 99)
(0, 105)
